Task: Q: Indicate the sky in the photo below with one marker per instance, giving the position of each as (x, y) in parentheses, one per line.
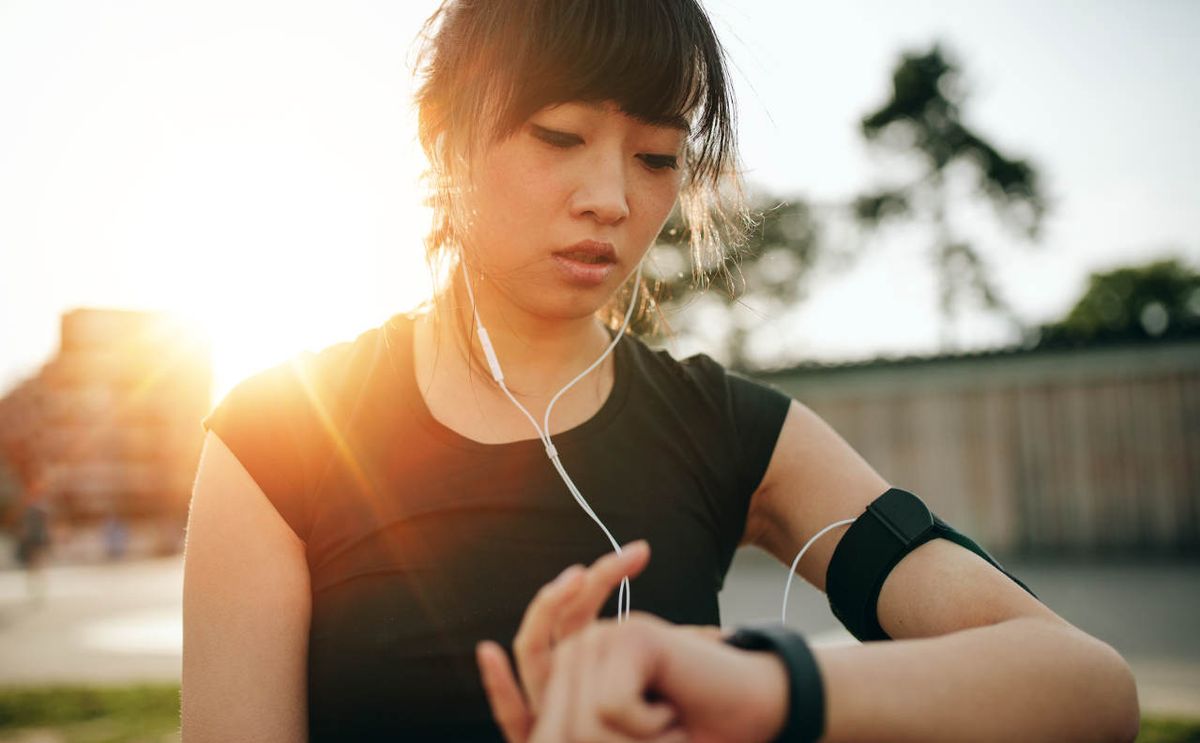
(253, 167)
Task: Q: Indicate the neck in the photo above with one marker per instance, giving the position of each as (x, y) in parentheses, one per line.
(537, 354)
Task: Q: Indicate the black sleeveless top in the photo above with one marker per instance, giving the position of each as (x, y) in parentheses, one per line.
(421, 542)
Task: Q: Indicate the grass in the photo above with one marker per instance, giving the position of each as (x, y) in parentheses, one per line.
(146, 713)
(1169, 730)
(149, 713)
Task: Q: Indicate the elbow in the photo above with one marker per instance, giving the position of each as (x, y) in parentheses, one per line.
(1130, 721)
(1100, 698)
(1119, 697)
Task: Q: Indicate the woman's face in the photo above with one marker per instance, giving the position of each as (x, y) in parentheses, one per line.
(563, 210)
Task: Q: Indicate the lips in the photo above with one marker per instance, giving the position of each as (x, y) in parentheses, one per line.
(588, 263)
(590, 251)
(585, 257)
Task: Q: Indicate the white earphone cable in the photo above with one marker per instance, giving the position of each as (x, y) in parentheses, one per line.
(792, 572)
(543, 431)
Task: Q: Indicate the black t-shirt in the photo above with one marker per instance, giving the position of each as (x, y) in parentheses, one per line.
(421, 542)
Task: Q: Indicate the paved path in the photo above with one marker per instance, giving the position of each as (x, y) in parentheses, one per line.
(93, 624)
(122, 623)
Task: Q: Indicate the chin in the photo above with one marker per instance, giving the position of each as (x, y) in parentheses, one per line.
(575, 306)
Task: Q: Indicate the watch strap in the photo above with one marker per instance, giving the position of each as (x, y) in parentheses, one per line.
(805, 722)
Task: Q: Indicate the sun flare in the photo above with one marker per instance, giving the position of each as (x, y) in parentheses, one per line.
(251, 328)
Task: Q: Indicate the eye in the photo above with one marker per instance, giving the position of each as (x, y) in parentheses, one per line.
(555, 138)
(660, 162)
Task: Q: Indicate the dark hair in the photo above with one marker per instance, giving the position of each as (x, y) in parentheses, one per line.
(487, 65)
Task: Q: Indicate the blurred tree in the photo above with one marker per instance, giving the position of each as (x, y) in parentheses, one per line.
(1156, 301)
(783, 245)
(923, 121)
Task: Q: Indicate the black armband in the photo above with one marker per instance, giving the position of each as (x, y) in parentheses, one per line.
(895, 524)
(805, 721)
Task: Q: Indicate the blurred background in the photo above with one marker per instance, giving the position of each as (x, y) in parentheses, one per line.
(977, 257)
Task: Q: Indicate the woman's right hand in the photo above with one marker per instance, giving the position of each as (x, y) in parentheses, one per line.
(566, 605)
(560, 609)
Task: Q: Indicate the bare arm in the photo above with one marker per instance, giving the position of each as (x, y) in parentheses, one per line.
(994, 663)
(246, 609)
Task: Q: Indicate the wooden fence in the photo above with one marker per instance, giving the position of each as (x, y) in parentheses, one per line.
(1088, 451)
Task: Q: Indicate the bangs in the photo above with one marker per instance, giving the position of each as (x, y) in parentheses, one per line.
(658, 60)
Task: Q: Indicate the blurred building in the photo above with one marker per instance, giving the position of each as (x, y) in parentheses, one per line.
(1091, 450)
(108, 431)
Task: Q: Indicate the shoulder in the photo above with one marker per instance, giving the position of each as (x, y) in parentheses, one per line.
(280, 421)
(697, 375)
(738, 395)
(283, 423)
(746, 413)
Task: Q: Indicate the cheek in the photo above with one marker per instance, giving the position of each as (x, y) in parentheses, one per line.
(514, 194)
(657, 200)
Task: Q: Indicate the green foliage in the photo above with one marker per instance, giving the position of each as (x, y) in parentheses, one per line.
(1157, 301)
(1169, 730)
(149, 706)
(924, 117)
(874, 208)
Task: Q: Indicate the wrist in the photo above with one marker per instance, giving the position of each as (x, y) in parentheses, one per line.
(767, 696)
(804, 719)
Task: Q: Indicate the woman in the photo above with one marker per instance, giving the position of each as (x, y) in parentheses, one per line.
(363, 516)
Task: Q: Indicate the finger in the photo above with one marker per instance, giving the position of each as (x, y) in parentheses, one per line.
(535, 636)
(504, 696)
(585, 723)
(555, 711)
(600, 580)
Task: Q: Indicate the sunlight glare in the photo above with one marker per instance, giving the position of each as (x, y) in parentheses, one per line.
(275, 204)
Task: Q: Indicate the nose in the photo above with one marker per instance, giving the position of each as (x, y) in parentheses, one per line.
(601, 194)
